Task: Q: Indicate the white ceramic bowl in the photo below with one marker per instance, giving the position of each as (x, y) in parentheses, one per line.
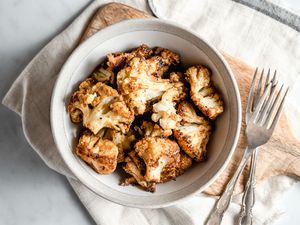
(193, 50)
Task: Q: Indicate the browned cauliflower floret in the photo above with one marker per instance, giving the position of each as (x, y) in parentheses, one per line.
(150, 129)
(124, 142)
(164, 111)
(171, 171)
(184, 163)
(100, 154)
(116, 61)
(168, 56)
(176, 77)
(203, 92)
(153, 158)
(161, 61)
(136, 168)
(104, 75)
(99, 106)
(139, 87)
(193, 133)
(156, 154)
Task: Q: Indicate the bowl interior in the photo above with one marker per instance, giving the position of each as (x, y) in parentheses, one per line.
(192, 51)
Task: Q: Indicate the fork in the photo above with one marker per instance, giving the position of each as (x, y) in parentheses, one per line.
(245, 217)
(261, 121)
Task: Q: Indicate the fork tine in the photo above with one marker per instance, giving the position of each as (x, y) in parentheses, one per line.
(274, 79)
(276, 118)
(267, 79)
(257, 96)
(257, 112)
(251, 92)
(273, 84)
(272, 107)
(266, 108)
(265, 86)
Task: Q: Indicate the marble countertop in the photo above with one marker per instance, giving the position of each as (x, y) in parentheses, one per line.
(31, 193)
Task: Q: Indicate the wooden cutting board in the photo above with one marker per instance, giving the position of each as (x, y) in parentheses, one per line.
(280, 156)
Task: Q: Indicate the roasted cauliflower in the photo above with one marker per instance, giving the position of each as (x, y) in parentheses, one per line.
(139, 87)
(137, 110)
(104, 75)
(100, 154)
(184, 163)
(156, 154)
(171, 171)
(161, 60)
(124, 142)
(148, 161)
(150, 129)
(169, 57)
(203, 92)
(164, 111)
(116, 61)
(99, 106)
(136, 168)
(193, 133)
(178, 77)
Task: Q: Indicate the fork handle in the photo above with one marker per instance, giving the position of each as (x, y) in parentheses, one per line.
(222, 204)
(248, 201)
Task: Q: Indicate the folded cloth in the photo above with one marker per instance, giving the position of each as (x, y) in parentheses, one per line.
(216, 21)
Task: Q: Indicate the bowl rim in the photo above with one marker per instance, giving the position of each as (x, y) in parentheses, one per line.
(115, 28)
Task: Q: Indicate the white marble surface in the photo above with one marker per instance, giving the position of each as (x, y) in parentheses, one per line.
(30, 193)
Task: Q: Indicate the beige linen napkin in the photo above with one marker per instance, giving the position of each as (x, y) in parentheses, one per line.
(30, 97)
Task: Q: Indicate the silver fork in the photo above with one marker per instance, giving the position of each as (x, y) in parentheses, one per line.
(259, 129)
(245, 217)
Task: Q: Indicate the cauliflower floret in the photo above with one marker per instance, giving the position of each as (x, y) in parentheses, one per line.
(169, 56)
(164, 111)
(139, 87)
(156, 154)
(100, 154)
(116, 61)
(157, 66)
(188, 114)
(150, 129)
(176, 77)
(203, 92)
(99, 106)
(171, 171)
(136, 168)
(106, 72)
(104, 75)
(161, 61)
(153, 158)
(124, 142)
(184, 163)
(193, 133)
